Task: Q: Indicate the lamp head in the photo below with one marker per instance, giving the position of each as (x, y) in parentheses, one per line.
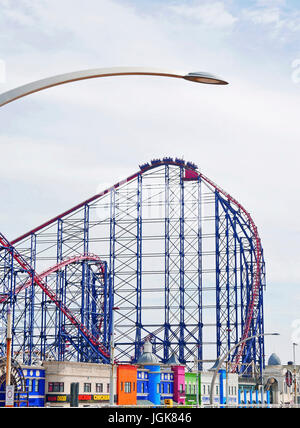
(201, 77)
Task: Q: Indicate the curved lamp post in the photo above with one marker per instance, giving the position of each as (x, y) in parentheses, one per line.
(49, 82)
(223, 359)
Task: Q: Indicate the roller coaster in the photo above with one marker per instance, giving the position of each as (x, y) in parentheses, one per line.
(177, 259)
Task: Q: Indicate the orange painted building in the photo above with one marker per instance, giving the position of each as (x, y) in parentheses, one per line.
(126, 384)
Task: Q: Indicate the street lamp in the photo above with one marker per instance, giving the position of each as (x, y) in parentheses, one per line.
(295, 372)
(8, 359)
(49, 82)
(112, 359)
(226, 356)
(197, 377)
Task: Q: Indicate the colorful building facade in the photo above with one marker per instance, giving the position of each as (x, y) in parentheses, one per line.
(148, 382)
(155, 382)
(35, 386)
(192, 387)
(126, 385)
(29, 386)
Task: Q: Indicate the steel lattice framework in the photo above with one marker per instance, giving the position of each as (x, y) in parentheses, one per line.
(63, 313)
(177, 255)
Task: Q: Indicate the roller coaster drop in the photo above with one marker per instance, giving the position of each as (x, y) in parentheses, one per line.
(179, 257)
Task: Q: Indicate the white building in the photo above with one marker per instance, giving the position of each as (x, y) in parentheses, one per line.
(279, 380)
(227, 387)
(93, 379)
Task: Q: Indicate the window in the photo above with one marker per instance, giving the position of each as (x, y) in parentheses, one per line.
(181, 388)
(87, 387)
(99, 387)
(107, 387)
(203, 389)
(168, 388)
(30, 385)
(127, 387)
(55, 387)
(158, 388)
(36, 385)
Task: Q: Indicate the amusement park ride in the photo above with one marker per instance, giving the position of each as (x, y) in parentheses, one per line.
(180, 258)
(177, 254)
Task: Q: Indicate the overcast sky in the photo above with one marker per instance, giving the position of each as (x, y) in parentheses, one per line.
(62, 145)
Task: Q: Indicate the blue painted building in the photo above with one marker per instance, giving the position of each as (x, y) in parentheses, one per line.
(29, 382)
(35, 385)
(142, 384)
(155, 381)
(166, 383)
(148, 376)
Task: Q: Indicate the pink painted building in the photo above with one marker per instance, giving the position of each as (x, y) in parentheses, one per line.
(179, 384)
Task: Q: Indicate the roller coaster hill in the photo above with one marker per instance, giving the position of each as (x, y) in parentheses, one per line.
(176, 259)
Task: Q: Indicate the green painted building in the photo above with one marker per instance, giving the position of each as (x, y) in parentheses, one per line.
(191, 386)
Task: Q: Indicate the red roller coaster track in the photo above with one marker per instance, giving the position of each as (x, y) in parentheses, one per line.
(38, 280)
(257, 244)
(59, 266)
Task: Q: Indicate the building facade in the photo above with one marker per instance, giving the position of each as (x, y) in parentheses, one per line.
(93, 380)
(29, 387)
(151, 383)
(282, 381)
(155, 382)
(127, 384)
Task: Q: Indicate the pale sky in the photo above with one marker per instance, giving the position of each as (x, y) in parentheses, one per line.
(60, 146)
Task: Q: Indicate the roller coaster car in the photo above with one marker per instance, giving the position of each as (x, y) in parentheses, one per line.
(155, 161)
(144, 166)
(180, 161)
(191, 165)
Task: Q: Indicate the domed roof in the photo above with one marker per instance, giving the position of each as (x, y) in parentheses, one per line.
(274, 360)
(173, 360)
(147, 357)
